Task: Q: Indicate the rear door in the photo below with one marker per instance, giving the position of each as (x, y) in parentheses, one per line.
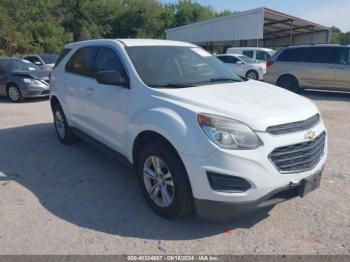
(79, 82)
(316, 69)
(342, 74)
(106, 105)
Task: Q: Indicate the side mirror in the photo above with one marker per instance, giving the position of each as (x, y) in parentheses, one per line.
(38, 63)
(239, 63)
(114, 78)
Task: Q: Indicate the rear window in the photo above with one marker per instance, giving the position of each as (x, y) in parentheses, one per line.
(62, 55)
(290, 55)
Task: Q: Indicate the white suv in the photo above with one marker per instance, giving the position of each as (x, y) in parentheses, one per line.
(197, 135)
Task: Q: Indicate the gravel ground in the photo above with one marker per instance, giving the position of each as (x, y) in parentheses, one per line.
(56, 199)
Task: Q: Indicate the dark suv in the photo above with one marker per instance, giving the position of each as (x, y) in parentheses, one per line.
(310, 67)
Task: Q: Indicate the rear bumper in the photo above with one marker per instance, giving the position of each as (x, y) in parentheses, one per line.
(222, 211)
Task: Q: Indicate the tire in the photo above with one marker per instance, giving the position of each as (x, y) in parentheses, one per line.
(252, 74)
(289, 82)
(173, 198)
(14, 94)
(63, 130)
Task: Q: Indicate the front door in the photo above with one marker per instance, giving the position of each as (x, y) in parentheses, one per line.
(2, 82)
(106, 105)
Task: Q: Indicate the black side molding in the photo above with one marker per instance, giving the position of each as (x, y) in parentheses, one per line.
(102, 147)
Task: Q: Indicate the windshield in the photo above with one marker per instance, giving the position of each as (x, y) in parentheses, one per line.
(49, 58)
(246, 59)
(178, 66)
(18, 65)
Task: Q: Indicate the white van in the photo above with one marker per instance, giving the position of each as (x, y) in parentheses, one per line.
(259, 54)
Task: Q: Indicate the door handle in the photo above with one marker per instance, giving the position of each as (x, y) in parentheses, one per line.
(331, 67)
(341, 68)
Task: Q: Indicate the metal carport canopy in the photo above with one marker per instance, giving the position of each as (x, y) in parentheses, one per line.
(266, 27)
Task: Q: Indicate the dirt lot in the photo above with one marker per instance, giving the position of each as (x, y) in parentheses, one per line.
(56, 199)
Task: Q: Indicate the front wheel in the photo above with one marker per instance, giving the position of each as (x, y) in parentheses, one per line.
(63, 130)
(164, 180)
(251, 74)
(14, 94)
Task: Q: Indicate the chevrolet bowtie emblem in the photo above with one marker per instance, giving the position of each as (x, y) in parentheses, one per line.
(310, 135)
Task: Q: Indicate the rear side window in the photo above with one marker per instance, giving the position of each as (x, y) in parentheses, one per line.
(290, 55)
(248, 53)
(62, 55)
(228, 59)
(108, 60)
(81, 63)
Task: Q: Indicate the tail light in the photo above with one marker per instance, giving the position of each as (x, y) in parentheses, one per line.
(269, 63)
(50, 77)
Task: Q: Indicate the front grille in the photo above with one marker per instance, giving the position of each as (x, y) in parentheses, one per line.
(294, 127)
(299, 157)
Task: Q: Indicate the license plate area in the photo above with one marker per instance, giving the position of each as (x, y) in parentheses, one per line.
(310, 183)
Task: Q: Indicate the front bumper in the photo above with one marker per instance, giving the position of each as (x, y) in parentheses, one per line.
(252, 165)
(34, 91)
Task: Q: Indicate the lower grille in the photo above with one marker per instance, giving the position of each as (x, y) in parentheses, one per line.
(299, 157)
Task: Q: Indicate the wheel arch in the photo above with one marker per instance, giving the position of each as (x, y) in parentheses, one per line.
(287, 75)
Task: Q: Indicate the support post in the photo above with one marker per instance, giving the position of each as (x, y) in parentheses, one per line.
(291, 33)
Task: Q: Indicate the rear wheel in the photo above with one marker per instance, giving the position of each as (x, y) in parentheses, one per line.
(289, 82)
(164, 182)
(252, 74)
(63, 130)
(14, 94)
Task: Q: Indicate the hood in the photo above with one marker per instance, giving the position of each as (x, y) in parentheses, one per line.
(255, 103)
(36, 74)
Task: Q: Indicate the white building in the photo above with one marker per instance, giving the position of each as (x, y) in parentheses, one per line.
(261, 27)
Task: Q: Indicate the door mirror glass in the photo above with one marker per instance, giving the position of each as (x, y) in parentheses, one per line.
(112, 78)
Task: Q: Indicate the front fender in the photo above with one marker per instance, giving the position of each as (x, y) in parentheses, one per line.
(182, 132)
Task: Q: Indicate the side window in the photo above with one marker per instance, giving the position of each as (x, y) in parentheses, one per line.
(81, 63)
(248, 53)
(290, 55)
(108, 60)
(323, 55)
(344, 56)
(34, 60)
(228, 59)
(262, 55)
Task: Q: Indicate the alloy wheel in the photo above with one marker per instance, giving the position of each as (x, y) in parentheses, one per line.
(158, 181)
(59, 124)
(14, 93)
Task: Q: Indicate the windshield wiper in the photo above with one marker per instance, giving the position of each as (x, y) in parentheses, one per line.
(172, 85)
(223, 79)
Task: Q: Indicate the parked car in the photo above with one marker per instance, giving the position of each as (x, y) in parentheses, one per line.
(44, 61)
(243, 66)
(259, 54)
(197, 134)
(311, 67)
(20, 78)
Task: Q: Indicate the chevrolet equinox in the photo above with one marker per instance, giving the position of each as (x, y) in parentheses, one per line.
(198, 135)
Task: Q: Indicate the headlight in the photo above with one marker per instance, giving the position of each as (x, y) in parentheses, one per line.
(228, 133)
(33, 82)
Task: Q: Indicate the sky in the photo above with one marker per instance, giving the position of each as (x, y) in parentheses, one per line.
(325, 12)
